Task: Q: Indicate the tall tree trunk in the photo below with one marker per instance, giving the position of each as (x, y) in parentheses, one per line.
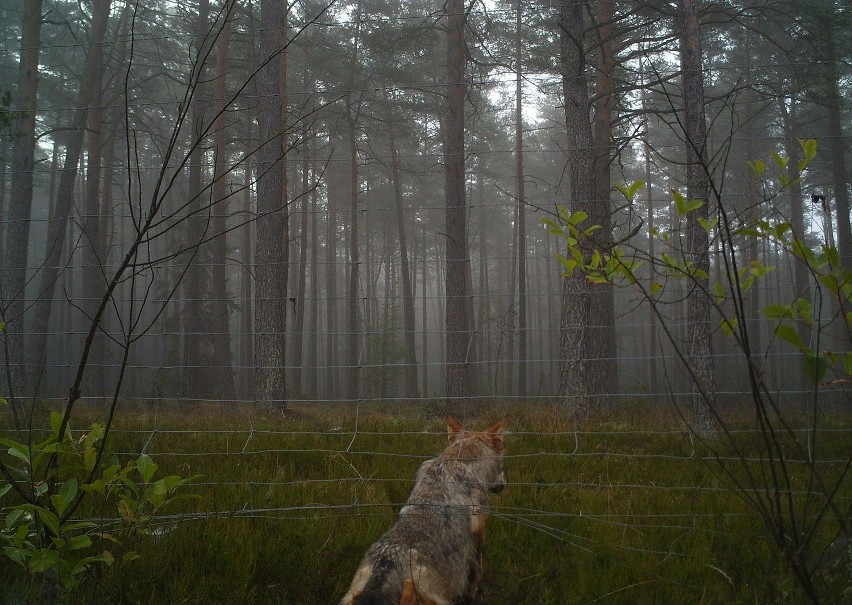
(21, 197)
(246, 331)
(834, 104)
(522, 230)
(424, 302)
(457, 328)
(483, 319)
(93, 247)
(751, 187)
(271, 253)
(801, 280)
(313, 324)
(193, 318)
(410, 370)
(511, 310)
(331, 276)
(697, 238)
(649, 198)
(301, 276)
(577, 378)
(223, 360)
(352, 325)
(88, 93)
(602, 338)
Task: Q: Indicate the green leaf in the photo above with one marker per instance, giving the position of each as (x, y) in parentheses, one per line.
(803, 252)
(833, 255)
(595, 261)
(720, 292)
(17, 450)
(691, 205)
(758, 167)
(21, 534)
(748, 231)
(781, 229)
(43, 559)
(788, 333)
(708, 225)
(729, 325)
(50, 520)
(780, 160)
(67, 493)
(777, 312)
(79, 542)
(13, 516)
(55, 422)
(629, 191)
(804, 308)
(578, 217)
(130, 556)
(815, 367)
(680, 202)
(16, 554)
(847, 363)
(656, 287)
(830, 282)
(147, 467)
(569, 264)
(668, 261)
(809, 149)
(553, 227)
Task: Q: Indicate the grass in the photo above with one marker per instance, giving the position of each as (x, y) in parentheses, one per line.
(626, 511)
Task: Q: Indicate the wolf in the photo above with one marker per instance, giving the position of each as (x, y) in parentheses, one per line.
(432, 555)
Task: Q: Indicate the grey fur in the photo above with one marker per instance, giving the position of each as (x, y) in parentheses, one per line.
(437, 538)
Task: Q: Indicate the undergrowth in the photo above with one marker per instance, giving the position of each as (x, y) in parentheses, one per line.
(627, 509)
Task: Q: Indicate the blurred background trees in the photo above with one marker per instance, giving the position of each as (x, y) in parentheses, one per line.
(351, 205)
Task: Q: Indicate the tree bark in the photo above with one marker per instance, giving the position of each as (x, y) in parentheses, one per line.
(89, 87)
(424, 301)
(602, 335)
(93, 246)
(522, 229)
(331, 278)
(652, 276)
(223, 360)
(457, 326)
(352, 325)
(837, 143)
(410, 370)
(21, 197)
(301, 278)
(577, 379)
(697, 238)
(801, 279)
(313, 324)
(271, 253)
(193, 318)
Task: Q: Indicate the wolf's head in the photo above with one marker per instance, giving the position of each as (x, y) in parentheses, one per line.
(486, 446)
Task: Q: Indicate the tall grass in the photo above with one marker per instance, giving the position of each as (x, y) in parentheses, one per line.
(626, 510)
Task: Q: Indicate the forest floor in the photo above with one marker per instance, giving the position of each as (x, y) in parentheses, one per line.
(626, 509)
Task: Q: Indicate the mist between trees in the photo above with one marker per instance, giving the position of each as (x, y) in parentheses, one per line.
(343, 201)
(586, 206)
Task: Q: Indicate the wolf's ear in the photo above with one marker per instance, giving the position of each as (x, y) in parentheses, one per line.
(454, 429)
(495, 434)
